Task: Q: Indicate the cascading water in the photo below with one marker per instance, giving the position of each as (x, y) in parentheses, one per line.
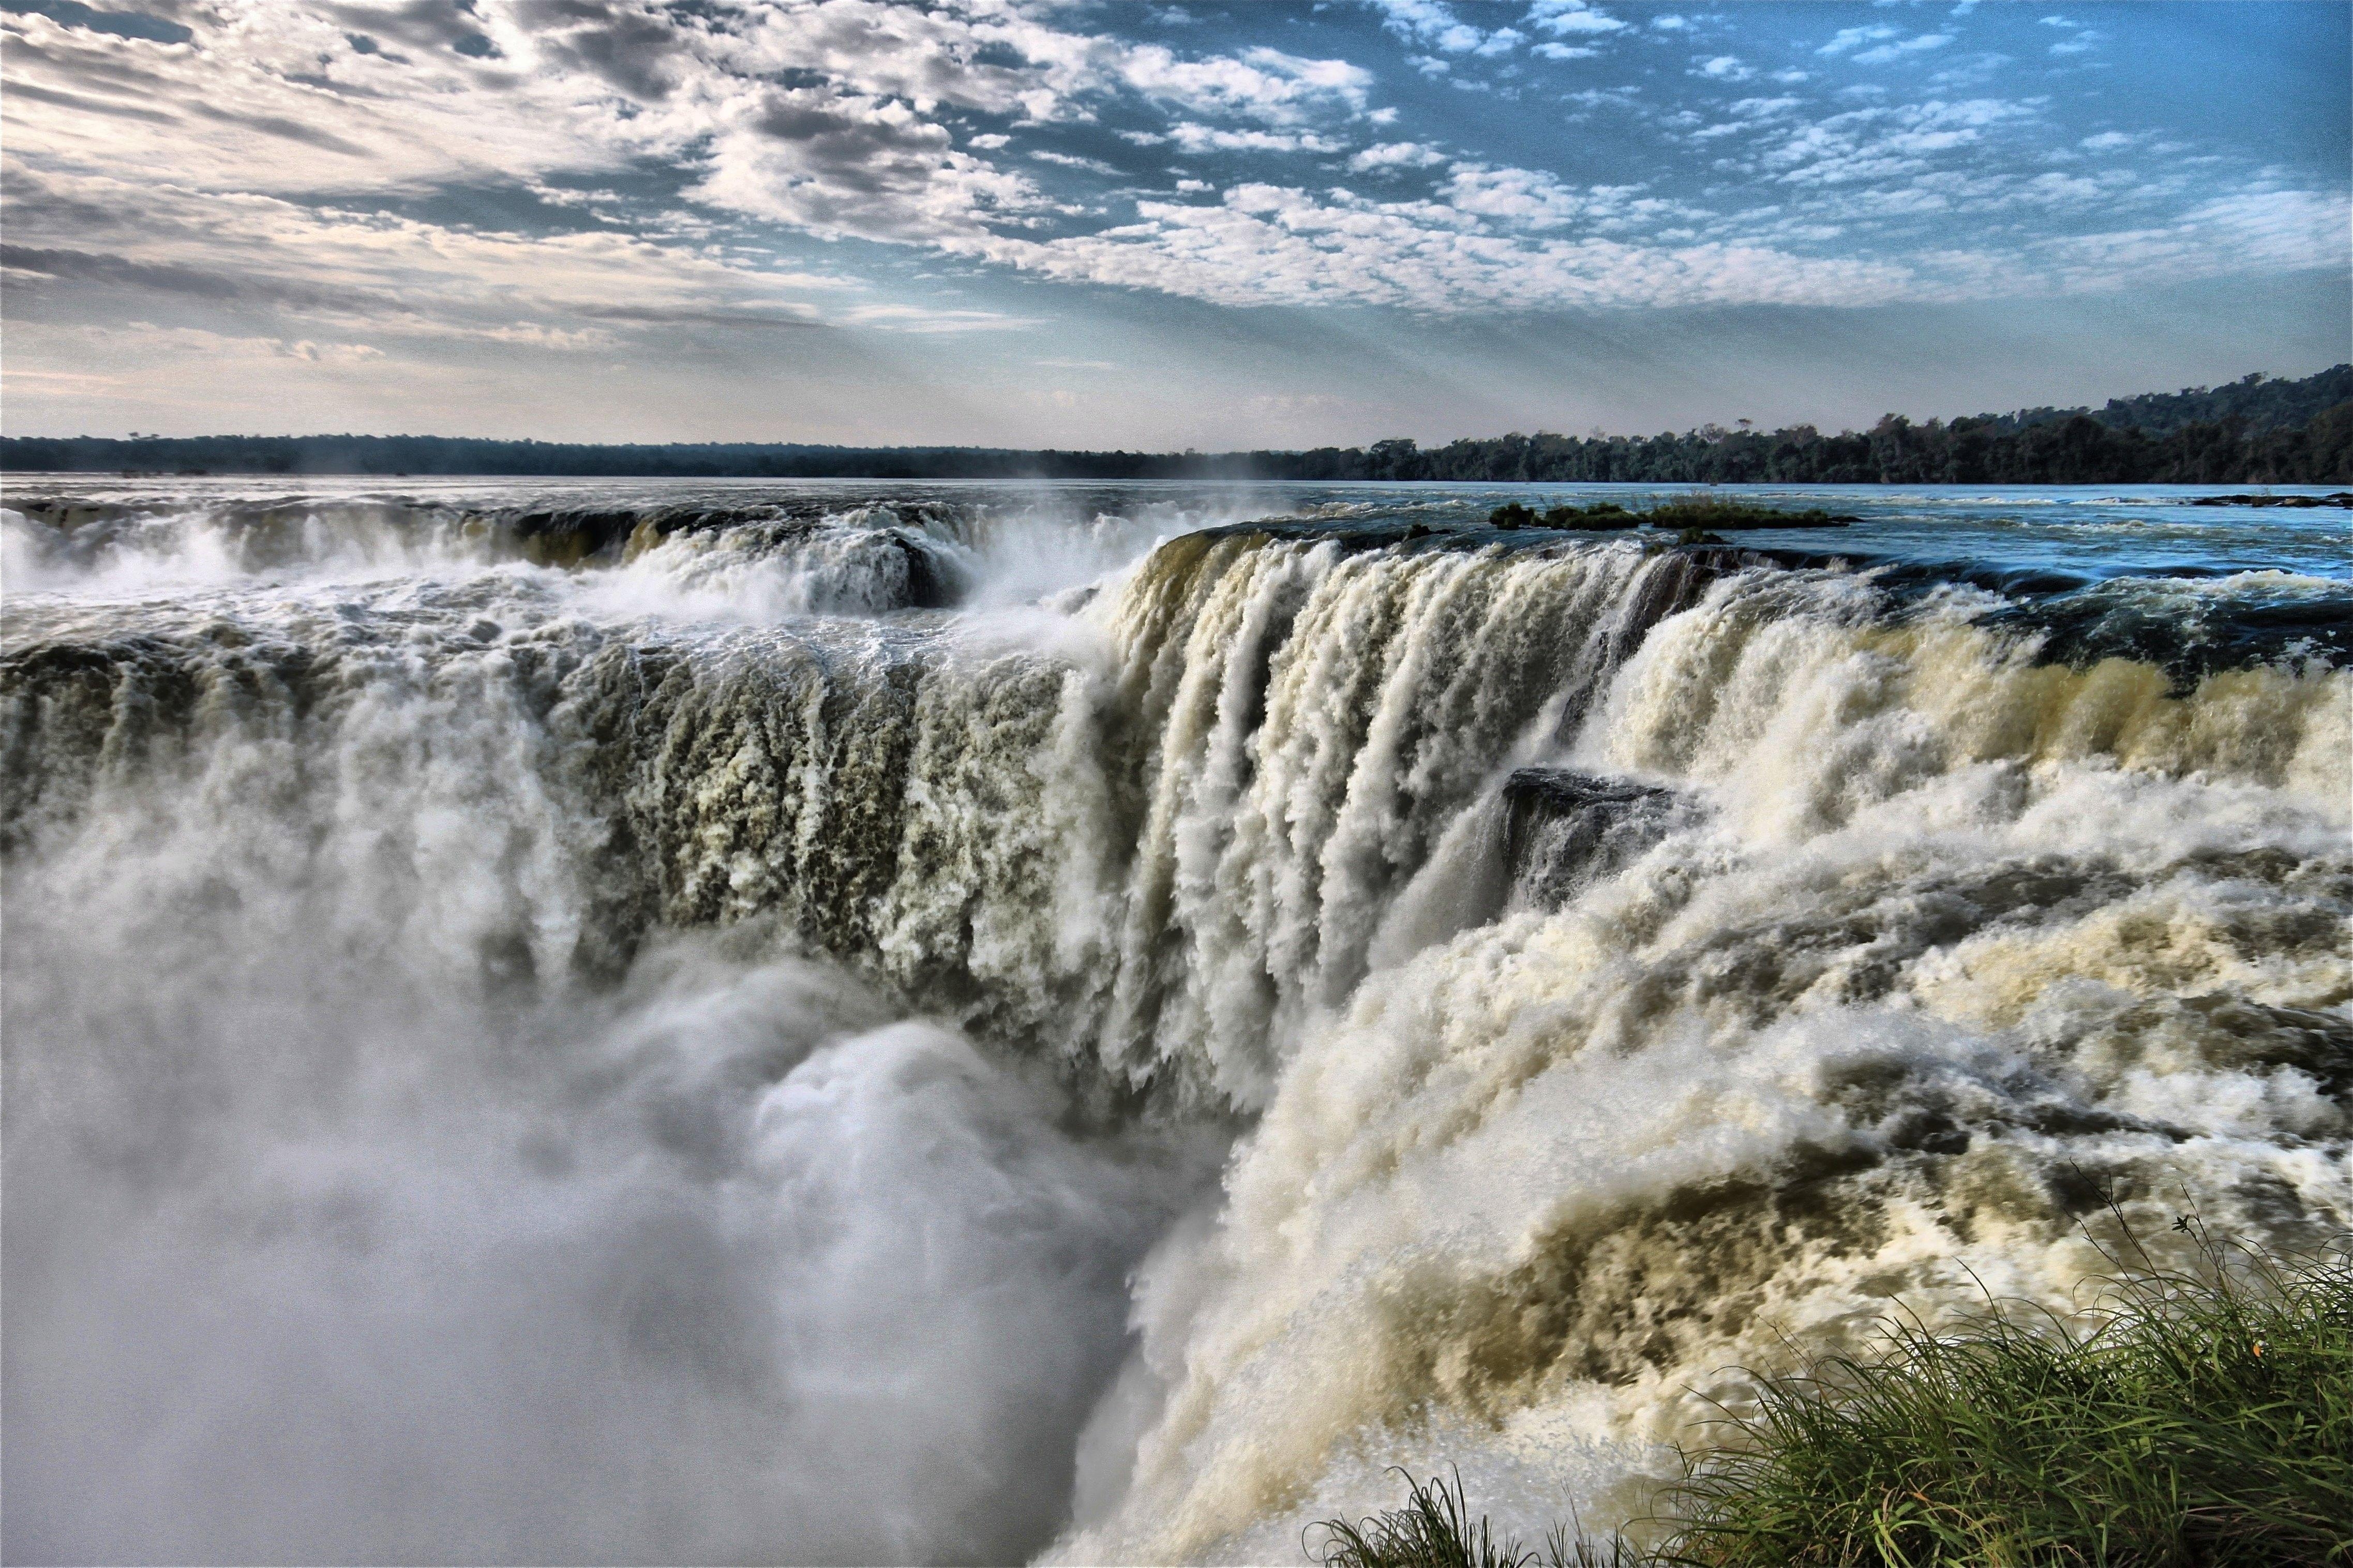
(940, 1023)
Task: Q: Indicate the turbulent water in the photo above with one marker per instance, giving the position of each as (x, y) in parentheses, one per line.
(912, 1022)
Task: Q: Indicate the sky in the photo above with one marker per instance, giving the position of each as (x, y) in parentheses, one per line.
(1159, 226)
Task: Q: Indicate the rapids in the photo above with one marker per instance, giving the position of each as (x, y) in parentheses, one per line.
(935, 1022)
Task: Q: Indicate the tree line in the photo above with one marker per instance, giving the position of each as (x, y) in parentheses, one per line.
(2252, 431)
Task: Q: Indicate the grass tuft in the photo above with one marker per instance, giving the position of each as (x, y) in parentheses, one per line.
(1434, 1530)
(2206, 1417)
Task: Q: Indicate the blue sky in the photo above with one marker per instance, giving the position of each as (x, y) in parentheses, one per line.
(1040, 223)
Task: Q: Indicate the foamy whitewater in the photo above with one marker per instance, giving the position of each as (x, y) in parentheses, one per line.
(898, 1022)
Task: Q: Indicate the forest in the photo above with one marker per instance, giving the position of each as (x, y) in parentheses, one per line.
(2256, 431)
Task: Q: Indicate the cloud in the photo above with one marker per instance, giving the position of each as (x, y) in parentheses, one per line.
(1396, 155)
(342, 271)
(2082, 43)
(903, 318)
(1437, 26)
(1567, 16)
(1880, 144)
(1198, 139)
(1430, 22)
(2280, 230)
(1854, 38)
(1072, 160)
(690, 142)
(1913, 46)
(1263, 83)
(1481, 249)
(825, 116)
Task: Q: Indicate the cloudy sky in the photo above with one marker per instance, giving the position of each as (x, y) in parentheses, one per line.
(1049, 222)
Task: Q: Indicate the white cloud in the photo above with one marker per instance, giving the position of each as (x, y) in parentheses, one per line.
(1565, 17)
(341, 271)
(1072, 160)
(1855, 38)
(848, 143)
(1261, 82)
(1884, 144)
(1432, 22)
(1437, 26)
(2080, 44)
(1519, 199)
(1480, 243)
(924, 319)
(1396, 155)
(1269, 245)
(1913, 46)
(854, 120)
(2275, 230)
(1198, 139)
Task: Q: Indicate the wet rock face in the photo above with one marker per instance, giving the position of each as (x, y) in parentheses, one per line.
(1563, 828)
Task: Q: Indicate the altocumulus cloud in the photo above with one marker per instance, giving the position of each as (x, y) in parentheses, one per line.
(306, 154)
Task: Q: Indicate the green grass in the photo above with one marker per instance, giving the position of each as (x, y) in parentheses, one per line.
(1698, 511)
(2205, 1419)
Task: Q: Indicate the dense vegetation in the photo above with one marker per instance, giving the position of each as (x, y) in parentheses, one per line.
(2250, 432)
(2207, 1420)
(2262, 403)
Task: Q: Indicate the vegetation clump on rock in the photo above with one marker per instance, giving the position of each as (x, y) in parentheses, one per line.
(1690, 513)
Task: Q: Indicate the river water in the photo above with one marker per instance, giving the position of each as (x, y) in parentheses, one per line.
(582, 1021)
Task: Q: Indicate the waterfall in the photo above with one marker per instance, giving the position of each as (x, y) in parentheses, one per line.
(903, 1029)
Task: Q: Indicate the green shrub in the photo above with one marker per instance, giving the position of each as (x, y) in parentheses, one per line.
(2205, 1419)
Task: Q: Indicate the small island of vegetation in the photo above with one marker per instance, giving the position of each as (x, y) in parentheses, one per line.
(1702, 514)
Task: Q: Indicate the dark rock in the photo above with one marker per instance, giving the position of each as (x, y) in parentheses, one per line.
(1563, 829)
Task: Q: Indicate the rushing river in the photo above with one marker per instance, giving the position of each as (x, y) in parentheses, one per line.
(902, 1023)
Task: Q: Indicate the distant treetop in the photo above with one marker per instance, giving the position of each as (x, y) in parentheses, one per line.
(2251, 431)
